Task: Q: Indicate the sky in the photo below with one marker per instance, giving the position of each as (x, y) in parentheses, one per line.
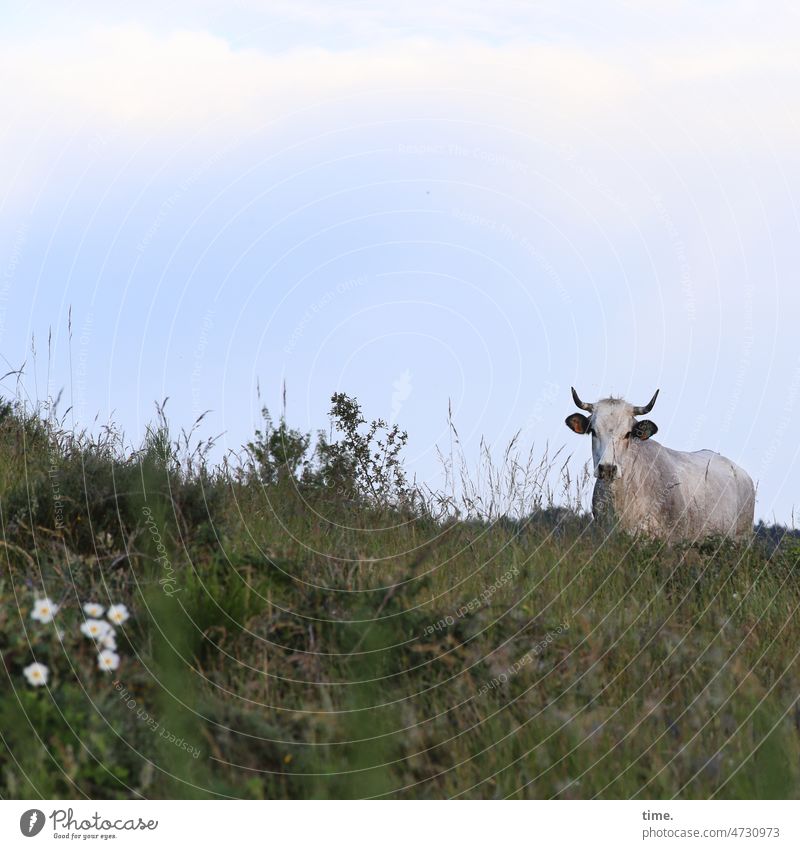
(427, 206)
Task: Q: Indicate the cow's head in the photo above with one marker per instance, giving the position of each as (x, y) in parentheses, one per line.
(612, 423)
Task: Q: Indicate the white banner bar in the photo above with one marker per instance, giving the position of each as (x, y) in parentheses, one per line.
(387, 824)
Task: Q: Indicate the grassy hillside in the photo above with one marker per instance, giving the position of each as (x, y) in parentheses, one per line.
(305, 623)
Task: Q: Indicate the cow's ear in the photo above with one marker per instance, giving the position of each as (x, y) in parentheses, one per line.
(644, 429)
(578, 423)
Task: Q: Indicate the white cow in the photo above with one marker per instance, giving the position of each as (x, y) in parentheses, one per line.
(652, 490)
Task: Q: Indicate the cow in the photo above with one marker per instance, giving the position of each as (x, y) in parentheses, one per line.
(649, 490)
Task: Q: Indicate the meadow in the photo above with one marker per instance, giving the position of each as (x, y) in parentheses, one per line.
(302, 621)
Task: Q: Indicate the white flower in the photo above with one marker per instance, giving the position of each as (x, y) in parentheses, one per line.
(96, 629)
(109, 640)
(107, 660)
(44, 610)
(118, 614)
(37, 674)
(93, 609)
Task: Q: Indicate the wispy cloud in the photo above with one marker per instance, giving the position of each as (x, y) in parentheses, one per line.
(131, 83)
(159, 83)
(162, 83)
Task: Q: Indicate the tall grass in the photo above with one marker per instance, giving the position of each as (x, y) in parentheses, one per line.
(317, 641)
(514, 484)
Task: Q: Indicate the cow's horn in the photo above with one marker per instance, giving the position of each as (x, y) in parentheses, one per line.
(581, 404)
(641, 411)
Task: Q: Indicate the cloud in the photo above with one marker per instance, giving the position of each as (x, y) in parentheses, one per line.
(133, 85)
(128, 86)
(130, 77)
(127, 75)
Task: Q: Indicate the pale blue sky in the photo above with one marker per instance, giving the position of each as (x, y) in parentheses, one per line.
(483, 206)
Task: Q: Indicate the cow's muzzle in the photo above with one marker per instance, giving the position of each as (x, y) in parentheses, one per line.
(607, 471)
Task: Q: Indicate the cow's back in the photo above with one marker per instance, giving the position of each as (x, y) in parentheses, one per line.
(720, 495)
(681, 495)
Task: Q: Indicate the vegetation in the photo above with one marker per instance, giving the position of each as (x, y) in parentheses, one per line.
(306, 622)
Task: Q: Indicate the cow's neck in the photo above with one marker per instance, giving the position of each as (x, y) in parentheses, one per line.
(606, 500)
(617, 501)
